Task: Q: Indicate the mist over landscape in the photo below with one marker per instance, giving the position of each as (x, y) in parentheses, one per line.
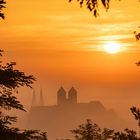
(74, 66)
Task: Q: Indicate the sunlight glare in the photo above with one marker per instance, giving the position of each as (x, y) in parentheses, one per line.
(112, 48)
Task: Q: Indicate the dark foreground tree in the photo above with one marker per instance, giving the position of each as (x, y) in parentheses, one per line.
(10, 80)
(91, 131)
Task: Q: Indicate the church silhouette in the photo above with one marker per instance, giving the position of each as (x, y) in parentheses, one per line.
(58, 119)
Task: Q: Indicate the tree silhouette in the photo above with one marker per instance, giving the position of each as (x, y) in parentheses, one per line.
(10, 80)
(91, 131)
(126, 135)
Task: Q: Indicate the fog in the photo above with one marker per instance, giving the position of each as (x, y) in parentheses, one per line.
(107, 108)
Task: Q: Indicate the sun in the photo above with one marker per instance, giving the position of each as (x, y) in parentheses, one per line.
(112, 48)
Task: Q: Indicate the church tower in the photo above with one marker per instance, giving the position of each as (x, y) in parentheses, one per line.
(61, 96)
(72, 96)
(41, 101)
(34, 103)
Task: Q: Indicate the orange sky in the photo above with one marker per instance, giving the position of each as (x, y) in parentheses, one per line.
(62, 44)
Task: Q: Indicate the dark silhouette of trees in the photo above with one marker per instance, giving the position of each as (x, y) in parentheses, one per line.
(10, 80)
(126, 135)
(91, 131)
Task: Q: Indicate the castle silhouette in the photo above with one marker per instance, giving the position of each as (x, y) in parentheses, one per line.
(61, 97)
(58, 119)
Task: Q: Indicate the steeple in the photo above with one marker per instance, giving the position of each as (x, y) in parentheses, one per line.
(34, 103)
(41, 101)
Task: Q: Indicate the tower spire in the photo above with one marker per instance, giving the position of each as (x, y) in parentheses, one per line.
(34, 103)
(41, 101)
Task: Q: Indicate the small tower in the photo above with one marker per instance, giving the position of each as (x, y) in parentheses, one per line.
(41, 101)
(72, 96)
(34, 103)
(61, 96)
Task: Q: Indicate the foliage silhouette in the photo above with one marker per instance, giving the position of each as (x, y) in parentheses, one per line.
(91, 131)
(2, 3)
(136, 112)
(126, 135)
(92, 5)
(10, 80)
(137, 36)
